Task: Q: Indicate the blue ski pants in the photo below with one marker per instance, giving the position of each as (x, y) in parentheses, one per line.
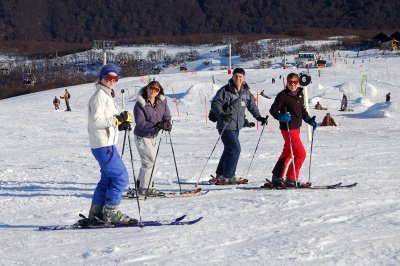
(114, 176)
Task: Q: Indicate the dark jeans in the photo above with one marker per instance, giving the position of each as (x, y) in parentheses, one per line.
(68, 107)
(230, 156)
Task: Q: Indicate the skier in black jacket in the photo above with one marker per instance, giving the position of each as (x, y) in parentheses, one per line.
(289, 109)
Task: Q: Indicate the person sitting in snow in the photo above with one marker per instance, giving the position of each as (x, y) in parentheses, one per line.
(247, 123)
(264, 95)
(328, 121)
(318, 106)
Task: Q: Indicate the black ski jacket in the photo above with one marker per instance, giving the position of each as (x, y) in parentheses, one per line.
(291, 102)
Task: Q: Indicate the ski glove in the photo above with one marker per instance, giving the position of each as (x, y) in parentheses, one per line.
(263, 120)
(227, 118)
(311, 121)
(124, 121)
(284, 117)
(124, 117)
(164, 125)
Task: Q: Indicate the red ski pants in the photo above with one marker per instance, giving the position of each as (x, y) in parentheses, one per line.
(299, 154)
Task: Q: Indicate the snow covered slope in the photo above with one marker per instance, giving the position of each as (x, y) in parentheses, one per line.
(48, 174)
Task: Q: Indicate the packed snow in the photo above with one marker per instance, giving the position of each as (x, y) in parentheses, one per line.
(48, 175)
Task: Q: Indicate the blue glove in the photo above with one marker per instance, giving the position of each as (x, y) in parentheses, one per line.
(284, 117)
(311, 121)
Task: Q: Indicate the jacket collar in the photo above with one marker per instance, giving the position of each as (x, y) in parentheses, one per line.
(160, 98)
(109, 92)
(232, 87)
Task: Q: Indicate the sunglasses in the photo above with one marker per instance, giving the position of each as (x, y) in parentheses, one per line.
(111, 78)
(154, 89)
(292, 82)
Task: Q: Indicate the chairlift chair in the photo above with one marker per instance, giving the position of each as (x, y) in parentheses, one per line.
(29, 79)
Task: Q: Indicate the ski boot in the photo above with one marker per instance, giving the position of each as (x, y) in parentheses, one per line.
(236, 180)
(115, 217)
(217, 180)
(151, 192)
(292, 183)
(277, 182)
(131, 193)
(96, 214)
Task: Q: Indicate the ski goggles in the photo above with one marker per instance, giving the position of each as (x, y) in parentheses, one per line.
(111, 78)
(292, 82)
(154, 89)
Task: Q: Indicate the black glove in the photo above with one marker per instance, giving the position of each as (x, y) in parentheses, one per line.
(124, 121)
(248, 124)
(164, 125)
(124, 117)
(227, 118)
(263, 120)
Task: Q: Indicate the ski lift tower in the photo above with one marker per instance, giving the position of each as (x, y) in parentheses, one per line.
(105, 46)
(230, 40)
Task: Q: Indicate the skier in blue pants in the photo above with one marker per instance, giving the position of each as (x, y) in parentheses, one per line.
(103, 125)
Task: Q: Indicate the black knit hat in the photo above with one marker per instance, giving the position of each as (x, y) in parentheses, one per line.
(239, 70)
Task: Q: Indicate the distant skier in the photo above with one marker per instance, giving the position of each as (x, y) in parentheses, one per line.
(273, 80)
(343, 105)
(66, 97)
(328, 121)
(388, 97)
(56, 103)
(288, 108)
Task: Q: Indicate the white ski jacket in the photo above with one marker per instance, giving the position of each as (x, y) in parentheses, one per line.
(102, 126)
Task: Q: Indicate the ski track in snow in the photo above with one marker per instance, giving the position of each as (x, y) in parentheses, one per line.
(48, 175)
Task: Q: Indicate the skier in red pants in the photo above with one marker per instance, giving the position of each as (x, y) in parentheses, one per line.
(289, 109)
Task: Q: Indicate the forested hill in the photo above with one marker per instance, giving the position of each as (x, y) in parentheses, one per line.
(83, 21)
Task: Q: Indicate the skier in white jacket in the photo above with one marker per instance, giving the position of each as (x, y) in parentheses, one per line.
(103, 122)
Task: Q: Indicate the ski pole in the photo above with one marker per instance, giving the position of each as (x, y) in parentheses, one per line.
(123, 145)
(134, 176)
(176, 167)
(152, 170)
(222, 132)
(309, 169)
(291, 150)
(127, 130)
(262, 130)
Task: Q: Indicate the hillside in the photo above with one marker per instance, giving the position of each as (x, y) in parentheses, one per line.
(75, 21)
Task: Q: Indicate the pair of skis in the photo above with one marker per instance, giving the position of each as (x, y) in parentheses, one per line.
(184, 194)
(176, 221)
(179, 220)
(333, 186)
